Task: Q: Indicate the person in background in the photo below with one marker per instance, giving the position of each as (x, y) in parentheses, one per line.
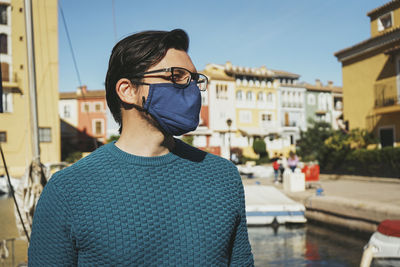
(293, 160)
(275, 165)
(148, 199)
(282, 165)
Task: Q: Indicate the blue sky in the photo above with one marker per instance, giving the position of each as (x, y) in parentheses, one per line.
(298, 36)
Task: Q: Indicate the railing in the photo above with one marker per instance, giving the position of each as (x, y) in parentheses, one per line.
(386, 95)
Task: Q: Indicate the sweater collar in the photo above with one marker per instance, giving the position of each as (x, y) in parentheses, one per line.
(121, 155)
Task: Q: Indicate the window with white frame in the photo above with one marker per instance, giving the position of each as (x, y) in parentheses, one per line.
(204, 98)
(3, 14)
(85, 107)
(261, 97)
(385, 21)
(265, 117)
(245, 116)
(249, 96)
(45, 134)
(239, 95)
(311, 99)
(222, 91)
(270, 98)
(7, 102)
(98, 126)
(67, 111)
(98, 106)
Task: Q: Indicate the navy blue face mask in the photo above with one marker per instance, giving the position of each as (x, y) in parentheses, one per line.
(177, 110)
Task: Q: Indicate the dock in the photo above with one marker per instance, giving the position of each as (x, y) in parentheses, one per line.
(267, 205)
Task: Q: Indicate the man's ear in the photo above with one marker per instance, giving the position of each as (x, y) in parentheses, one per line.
(127, 92)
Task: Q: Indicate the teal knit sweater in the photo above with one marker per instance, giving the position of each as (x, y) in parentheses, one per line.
(112, 208)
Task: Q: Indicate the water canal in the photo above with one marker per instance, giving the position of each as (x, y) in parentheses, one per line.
(309, 245)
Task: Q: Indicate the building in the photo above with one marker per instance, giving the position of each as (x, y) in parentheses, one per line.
(371, 77)
(15, 131)
(324, 103)
(250, 99)
(83, 120)
(292, 113)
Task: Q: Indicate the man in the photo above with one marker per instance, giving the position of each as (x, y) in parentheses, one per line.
(148, 199)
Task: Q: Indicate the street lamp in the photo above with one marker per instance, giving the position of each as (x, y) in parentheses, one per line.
(229, 123)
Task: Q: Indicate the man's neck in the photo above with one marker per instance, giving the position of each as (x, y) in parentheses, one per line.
(141, 139)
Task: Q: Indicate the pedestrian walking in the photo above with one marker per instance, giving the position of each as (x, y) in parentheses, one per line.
(276, 165)
(148, 199)
(293, 160)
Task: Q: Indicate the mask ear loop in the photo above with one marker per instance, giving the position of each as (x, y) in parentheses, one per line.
(143, 102)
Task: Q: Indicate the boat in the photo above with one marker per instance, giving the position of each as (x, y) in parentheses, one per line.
(266, 205)
(383, 248)
(4, 187)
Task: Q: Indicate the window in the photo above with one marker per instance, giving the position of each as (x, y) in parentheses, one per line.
(204, 98)
(222, 91)
(5, 72)
(3, 137)
(385, 21)
(7, 101)
(270, 98)
(67, 111)
(85, 107)
(245, 116)
(266, 117)
(44, 134)
(249, 96)
(98, 127)
(261, 96)
(3, 44)
(98, 107)
(239, 95)
(3, 14)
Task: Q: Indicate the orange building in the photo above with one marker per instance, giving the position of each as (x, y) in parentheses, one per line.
(83, 119)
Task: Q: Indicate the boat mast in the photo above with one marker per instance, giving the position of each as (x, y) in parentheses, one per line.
(32, 81)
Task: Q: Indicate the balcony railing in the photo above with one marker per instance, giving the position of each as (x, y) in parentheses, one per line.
(386, 95)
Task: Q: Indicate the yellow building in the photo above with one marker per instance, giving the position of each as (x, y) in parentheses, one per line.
(371, 77)
(250, 99)
(15, 132)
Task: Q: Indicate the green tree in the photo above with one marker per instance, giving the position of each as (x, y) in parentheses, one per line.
(311, 146)
(260, 148)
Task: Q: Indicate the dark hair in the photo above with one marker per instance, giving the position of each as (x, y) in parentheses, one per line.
(137, 53)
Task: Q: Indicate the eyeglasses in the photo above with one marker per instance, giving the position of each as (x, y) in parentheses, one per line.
(180, 77)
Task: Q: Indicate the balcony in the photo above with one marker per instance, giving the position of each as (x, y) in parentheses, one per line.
(386, 98)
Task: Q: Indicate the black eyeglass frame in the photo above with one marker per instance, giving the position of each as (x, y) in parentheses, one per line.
(194, 76)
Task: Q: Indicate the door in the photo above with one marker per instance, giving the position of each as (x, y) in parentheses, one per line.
(386, 137)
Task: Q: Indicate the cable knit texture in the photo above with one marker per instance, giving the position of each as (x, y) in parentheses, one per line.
(112, 208)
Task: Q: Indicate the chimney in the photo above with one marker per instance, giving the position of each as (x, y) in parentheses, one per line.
(84, 89)
(318, 83)
(81, 90)
(228, 65)
(330, 84)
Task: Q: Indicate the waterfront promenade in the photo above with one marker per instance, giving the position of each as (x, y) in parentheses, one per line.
(353, 202)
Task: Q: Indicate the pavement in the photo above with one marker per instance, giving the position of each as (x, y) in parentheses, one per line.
(354, 202)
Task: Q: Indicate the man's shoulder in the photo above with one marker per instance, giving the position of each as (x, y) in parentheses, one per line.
(82, 168)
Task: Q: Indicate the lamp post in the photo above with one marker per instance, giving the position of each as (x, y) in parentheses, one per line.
(229, 123)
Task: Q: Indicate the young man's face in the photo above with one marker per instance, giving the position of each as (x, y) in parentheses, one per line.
(173, 58)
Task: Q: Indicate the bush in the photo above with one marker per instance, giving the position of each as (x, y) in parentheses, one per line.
(341, 153)
(73, 157)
